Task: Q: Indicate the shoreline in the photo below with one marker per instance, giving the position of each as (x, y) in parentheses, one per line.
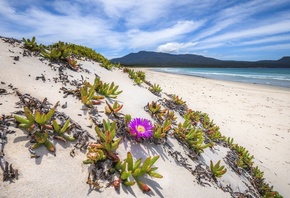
(256, 116)
(252, 83)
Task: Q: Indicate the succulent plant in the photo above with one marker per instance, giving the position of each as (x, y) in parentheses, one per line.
(138, 77)
(214, 134)
(217, 170)
(129, 168)
(94, 154)
(53, 54)
(106, 89)
(38, 117)
(161, 131)
(170, 116)
(31, 44)
(107, 135)
(156, 89)
(155, 110)
(257, 173)
(178, 100)
(42, 139)
(72, 63)
(193, 137)
(88, 96)
(25, 122)
(127, 119)
(245, 159)
(60, 131)
(113, 109)
(230, 142)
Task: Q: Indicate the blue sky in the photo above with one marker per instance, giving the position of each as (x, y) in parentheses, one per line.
(222, 29)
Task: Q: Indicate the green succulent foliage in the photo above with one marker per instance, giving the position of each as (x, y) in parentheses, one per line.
(25, 122)
(128, 168)
(72, 63)
(60, 130)
(141, 75)
(113, 109)
(161, 131)
(138, 77)
(155, 110)
(230, 142)
(53, 55)
(217, 170)
(257, 173)
(156, 89)
(38, 117)
(214, 134)
(42, 140)
(245, 159)
(31, 44)
(127, 119)
(88, 96)
(131, 73)
(178, 100)
(106, 89)
(193, 137)
(170, 116)
(272, 194)
(94, 154)
(107, 64)
(107, 135)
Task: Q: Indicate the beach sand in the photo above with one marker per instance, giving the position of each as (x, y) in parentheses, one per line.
(257, 117)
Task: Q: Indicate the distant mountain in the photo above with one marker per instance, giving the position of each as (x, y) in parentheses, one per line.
(158, 59)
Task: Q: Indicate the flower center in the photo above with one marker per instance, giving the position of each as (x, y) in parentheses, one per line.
(140, 129)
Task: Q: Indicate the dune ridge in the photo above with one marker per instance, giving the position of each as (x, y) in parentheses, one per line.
(52, 174)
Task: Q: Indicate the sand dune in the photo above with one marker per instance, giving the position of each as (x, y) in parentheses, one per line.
(257, 117)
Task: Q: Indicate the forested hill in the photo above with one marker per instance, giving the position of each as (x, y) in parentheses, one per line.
(158, 59)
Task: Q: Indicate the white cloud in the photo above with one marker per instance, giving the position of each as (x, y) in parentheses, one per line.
(285, 46)
(174, 47)
(117, 26)
(277, 28)
(278, 38)
(138, 38)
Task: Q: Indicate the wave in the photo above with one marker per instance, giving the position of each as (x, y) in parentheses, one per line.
(203, 74)
(269, 76)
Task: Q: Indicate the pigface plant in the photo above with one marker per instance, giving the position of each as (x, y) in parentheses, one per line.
(194, 138)
(95, 153)
(42, 139)
(106, 89)
(128, 168)
(178, 100)
(37, 118)
(155, 110)
(159, 131)
(31, 44)
(107, 141)
(60, 131)
(155, 89)
(217, 170)
(88, 96)
(113, 109)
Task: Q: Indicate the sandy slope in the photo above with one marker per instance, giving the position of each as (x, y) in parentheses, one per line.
(256, 116)
(61, 175)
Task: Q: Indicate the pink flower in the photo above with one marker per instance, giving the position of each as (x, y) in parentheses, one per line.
(140, 128)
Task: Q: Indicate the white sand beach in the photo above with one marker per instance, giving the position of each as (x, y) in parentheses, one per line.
(257, 117)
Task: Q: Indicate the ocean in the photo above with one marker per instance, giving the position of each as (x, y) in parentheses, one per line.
(266, 76)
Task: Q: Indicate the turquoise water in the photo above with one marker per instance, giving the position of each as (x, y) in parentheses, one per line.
(267, 76)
